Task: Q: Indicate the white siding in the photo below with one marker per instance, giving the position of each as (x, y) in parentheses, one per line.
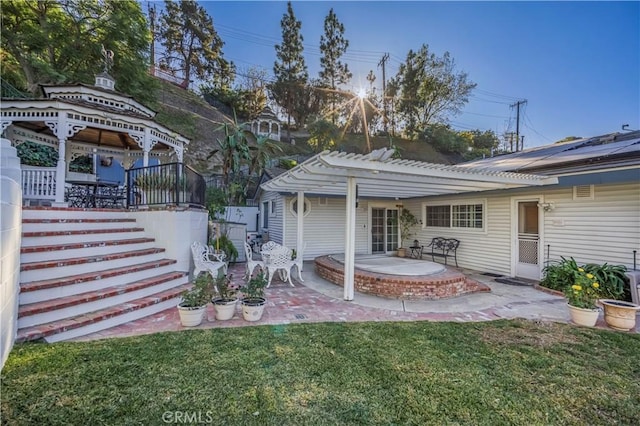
(324, 227)
(605, 229)
(275, 219)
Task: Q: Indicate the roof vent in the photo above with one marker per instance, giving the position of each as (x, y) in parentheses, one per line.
(583, 192)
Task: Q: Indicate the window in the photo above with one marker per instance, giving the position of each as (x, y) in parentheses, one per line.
(439, 216)
(455, 216)
(293, 207)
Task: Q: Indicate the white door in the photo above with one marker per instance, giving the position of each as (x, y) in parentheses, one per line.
(527, 244)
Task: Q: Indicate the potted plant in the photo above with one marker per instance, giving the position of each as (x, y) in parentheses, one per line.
(582, 297)
(225, 300)
(253, 300)
(406, 220)
(224, 243)
(194, 301)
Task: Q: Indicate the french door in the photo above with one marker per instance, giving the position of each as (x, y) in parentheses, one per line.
(384, 230)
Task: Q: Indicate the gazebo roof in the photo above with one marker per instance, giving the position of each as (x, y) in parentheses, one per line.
(379, 176)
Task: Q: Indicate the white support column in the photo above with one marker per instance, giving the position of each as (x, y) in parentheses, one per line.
(349, 239)
(146, 147)
(300, 225)
(61, 173)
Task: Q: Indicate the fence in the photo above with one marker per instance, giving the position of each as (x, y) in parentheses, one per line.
(38, 183)
(165, 184)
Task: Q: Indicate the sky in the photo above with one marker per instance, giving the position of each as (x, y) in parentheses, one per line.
(577, 64)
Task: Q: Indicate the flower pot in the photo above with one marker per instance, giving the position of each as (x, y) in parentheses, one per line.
(225, 308)
(582, 316)
(190, 317)
(402, 252)
(620, 315)
(253, 308)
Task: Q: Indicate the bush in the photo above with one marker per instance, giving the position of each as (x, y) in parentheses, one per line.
(611, 278)
(226, 245)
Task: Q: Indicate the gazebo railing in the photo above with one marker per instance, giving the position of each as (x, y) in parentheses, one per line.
(165, 184)
(38, 183)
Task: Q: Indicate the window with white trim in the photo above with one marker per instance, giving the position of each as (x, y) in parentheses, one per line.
(293, 207)
(466, 216)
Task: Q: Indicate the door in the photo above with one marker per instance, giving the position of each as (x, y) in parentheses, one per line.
(527, 245)
(384, 230)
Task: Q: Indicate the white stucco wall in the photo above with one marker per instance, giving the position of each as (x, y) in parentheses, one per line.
(10, 240)
(175, 230)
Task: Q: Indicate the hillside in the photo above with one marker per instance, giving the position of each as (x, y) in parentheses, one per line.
(189, 115)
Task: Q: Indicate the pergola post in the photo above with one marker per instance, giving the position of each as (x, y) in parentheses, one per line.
(300, 224)
(349, 239)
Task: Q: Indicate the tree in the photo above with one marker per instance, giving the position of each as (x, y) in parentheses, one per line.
(191, 43)
(246, 99)
(445, 139)
(289, 69)
(333, 72)
(323, 135)
(429, 90)
(53, 42)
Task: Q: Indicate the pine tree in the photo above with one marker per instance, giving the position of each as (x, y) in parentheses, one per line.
(192, 44)
(333, 71)
(289, 68)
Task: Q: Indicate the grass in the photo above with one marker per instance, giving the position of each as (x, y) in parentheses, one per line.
(411, 373)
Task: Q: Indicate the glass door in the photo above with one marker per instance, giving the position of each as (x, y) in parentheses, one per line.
(384, 230)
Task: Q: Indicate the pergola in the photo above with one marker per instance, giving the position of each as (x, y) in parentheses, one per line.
(377, 175)
(80, 119)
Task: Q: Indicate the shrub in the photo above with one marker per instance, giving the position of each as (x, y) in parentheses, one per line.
(611, 278)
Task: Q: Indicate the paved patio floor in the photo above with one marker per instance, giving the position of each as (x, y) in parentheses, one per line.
(317, 300)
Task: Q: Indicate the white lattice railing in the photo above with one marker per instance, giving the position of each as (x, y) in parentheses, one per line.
(38, 183)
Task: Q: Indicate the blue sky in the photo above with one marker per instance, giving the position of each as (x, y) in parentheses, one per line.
(576, 63)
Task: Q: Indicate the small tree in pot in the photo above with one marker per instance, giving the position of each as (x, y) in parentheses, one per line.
(253, 300)
(226, 298)
(406, 220)
(194, 301)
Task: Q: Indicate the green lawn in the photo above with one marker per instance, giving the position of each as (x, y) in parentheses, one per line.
(408, 373)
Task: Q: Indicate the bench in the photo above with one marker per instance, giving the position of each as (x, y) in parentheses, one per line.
(444, 247)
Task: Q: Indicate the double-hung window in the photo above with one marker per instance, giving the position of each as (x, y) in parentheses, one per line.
(450, 215)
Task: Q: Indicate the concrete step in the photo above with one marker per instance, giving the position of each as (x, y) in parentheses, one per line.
(74, 305)
(58, 268)
(43, 238)
(70, 250)
(102, 319)
(69, 224)
(49, 213)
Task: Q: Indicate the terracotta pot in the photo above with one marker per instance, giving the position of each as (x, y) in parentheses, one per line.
(620, 315)
(582, 316)
(402, 252)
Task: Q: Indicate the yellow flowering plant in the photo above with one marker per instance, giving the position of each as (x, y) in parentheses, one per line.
(584, 292)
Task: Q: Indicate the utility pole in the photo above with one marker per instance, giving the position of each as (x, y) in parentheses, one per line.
(517, 105)
(382, 63)
(152, 25)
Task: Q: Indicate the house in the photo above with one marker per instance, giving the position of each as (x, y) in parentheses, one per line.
(512, 213)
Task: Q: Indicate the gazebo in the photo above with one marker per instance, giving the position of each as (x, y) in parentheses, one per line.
(266, 124)
(80, 119)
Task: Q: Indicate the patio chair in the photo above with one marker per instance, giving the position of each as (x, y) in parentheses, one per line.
(202, 262)
(251, 264)
(278, 260)
(268, 246)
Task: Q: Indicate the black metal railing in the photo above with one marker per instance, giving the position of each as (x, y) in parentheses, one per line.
(165, 184)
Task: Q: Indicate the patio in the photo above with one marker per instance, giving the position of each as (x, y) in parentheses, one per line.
(320, 301)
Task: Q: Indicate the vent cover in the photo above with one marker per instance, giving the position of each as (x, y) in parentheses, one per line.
(583, 192)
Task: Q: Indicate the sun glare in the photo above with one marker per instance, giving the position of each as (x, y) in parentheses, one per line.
(362, 93)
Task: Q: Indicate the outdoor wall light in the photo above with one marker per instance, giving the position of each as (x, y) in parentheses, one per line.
(547, 207)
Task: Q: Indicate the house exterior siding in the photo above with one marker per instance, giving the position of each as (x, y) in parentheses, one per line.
(275, 228)
(324, 226)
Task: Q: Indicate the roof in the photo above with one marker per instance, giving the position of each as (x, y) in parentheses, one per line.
(614, 150)
(379, 176)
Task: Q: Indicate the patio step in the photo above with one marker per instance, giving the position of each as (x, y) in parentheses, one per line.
(83, 303)
(85, 270)
(70, 250)
(102, 319)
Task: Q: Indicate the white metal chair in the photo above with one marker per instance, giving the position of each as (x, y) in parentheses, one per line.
(278, 260)
(202, 261)
(251, 264)
(268, 246)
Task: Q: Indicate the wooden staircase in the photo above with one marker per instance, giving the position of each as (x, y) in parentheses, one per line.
(83, 271)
